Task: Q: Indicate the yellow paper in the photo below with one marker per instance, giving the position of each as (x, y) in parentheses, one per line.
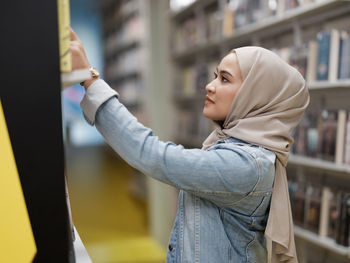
(16, 237)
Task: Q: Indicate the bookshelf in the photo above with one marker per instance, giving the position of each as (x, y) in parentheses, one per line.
(269, 26)
(125, 51)
(327, 167)
(324, 242)
(326, 85)
(137, 66)
(291, 29)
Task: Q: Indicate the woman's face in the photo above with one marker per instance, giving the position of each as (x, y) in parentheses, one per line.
(222, 90)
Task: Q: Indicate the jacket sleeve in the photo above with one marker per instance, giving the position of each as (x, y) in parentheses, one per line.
(218, 173)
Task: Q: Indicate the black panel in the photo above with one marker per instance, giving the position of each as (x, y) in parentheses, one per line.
(30, 94)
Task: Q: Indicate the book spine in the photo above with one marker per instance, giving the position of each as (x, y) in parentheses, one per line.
(340, 138)
(344, 65)
(312, 61)
(325, 206)
(333, 55)
(347, 143)
(64, 35)
(323, 55)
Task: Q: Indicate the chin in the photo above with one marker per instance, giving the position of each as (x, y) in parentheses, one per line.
(209, 116)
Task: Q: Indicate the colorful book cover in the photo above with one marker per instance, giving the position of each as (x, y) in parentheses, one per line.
(327, 138)
(323, 39)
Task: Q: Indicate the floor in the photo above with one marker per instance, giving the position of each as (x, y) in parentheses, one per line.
(108, 206)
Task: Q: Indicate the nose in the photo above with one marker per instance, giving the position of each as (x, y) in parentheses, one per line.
(210, 88)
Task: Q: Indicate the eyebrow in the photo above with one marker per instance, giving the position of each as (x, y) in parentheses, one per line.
(224, 72)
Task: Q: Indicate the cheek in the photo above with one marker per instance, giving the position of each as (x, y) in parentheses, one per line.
(228, 98)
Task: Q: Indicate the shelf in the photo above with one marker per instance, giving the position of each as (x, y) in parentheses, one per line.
(122, 47)
(116, 21)
(323, 242)
(190, 9)
(321, 165)
(125, 76)
(269, 25)
(71, 78)
(324, 85)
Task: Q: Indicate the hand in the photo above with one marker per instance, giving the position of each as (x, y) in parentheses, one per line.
(79, 58)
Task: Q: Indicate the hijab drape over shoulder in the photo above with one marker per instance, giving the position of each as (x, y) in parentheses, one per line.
(268, 106)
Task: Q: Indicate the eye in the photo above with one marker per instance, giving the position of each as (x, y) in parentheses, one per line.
(215, 75)
(223, 79)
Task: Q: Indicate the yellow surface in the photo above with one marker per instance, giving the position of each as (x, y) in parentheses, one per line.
(16, 238)
(110, 219)
(64, 35)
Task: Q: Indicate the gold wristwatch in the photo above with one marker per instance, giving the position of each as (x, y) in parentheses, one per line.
(94, 74)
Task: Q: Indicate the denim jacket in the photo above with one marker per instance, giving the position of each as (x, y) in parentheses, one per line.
(225, 191)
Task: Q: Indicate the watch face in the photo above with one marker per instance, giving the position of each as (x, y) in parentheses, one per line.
(94, 72)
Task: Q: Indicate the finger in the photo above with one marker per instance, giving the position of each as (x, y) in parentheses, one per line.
(73, 36)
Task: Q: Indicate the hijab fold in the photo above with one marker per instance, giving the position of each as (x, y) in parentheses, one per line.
(268, 106)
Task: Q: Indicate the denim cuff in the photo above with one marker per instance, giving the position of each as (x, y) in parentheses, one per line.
(97, 94)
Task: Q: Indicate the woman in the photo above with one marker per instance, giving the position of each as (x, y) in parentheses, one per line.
(233, 191)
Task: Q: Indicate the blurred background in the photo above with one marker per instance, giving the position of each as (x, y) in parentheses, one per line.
(159, 55)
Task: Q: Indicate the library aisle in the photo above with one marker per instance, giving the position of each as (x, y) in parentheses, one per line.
(111, 221)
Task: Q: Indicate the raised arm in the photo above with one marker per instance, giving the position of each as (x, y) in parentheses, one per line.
(219, 174)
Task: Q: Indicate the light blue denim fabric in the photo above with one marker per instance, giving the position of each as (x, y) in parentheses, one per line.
(225, 191)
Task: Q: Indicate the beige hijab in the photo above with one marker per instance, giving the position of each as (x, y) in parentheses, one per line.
(268, 106)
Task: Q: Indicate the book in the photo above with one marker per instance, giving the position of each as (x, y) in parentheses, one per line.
(312, 208)
(304, 133)
(298, 58)
(212, 25)
(347, 142)
(312, 133)
(327, 136)
(64, 35)
(344, 57)
(312, 61)
(297, 197)
(323, 39)
(256, 10)
(333, 213)
(300, 140)
(340, 137)
(241, 13)
(228, 23)
(342, 235)
(333, 55)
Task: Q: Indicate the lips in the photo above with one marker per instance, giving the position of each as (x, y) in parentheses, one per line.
(208, 100)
